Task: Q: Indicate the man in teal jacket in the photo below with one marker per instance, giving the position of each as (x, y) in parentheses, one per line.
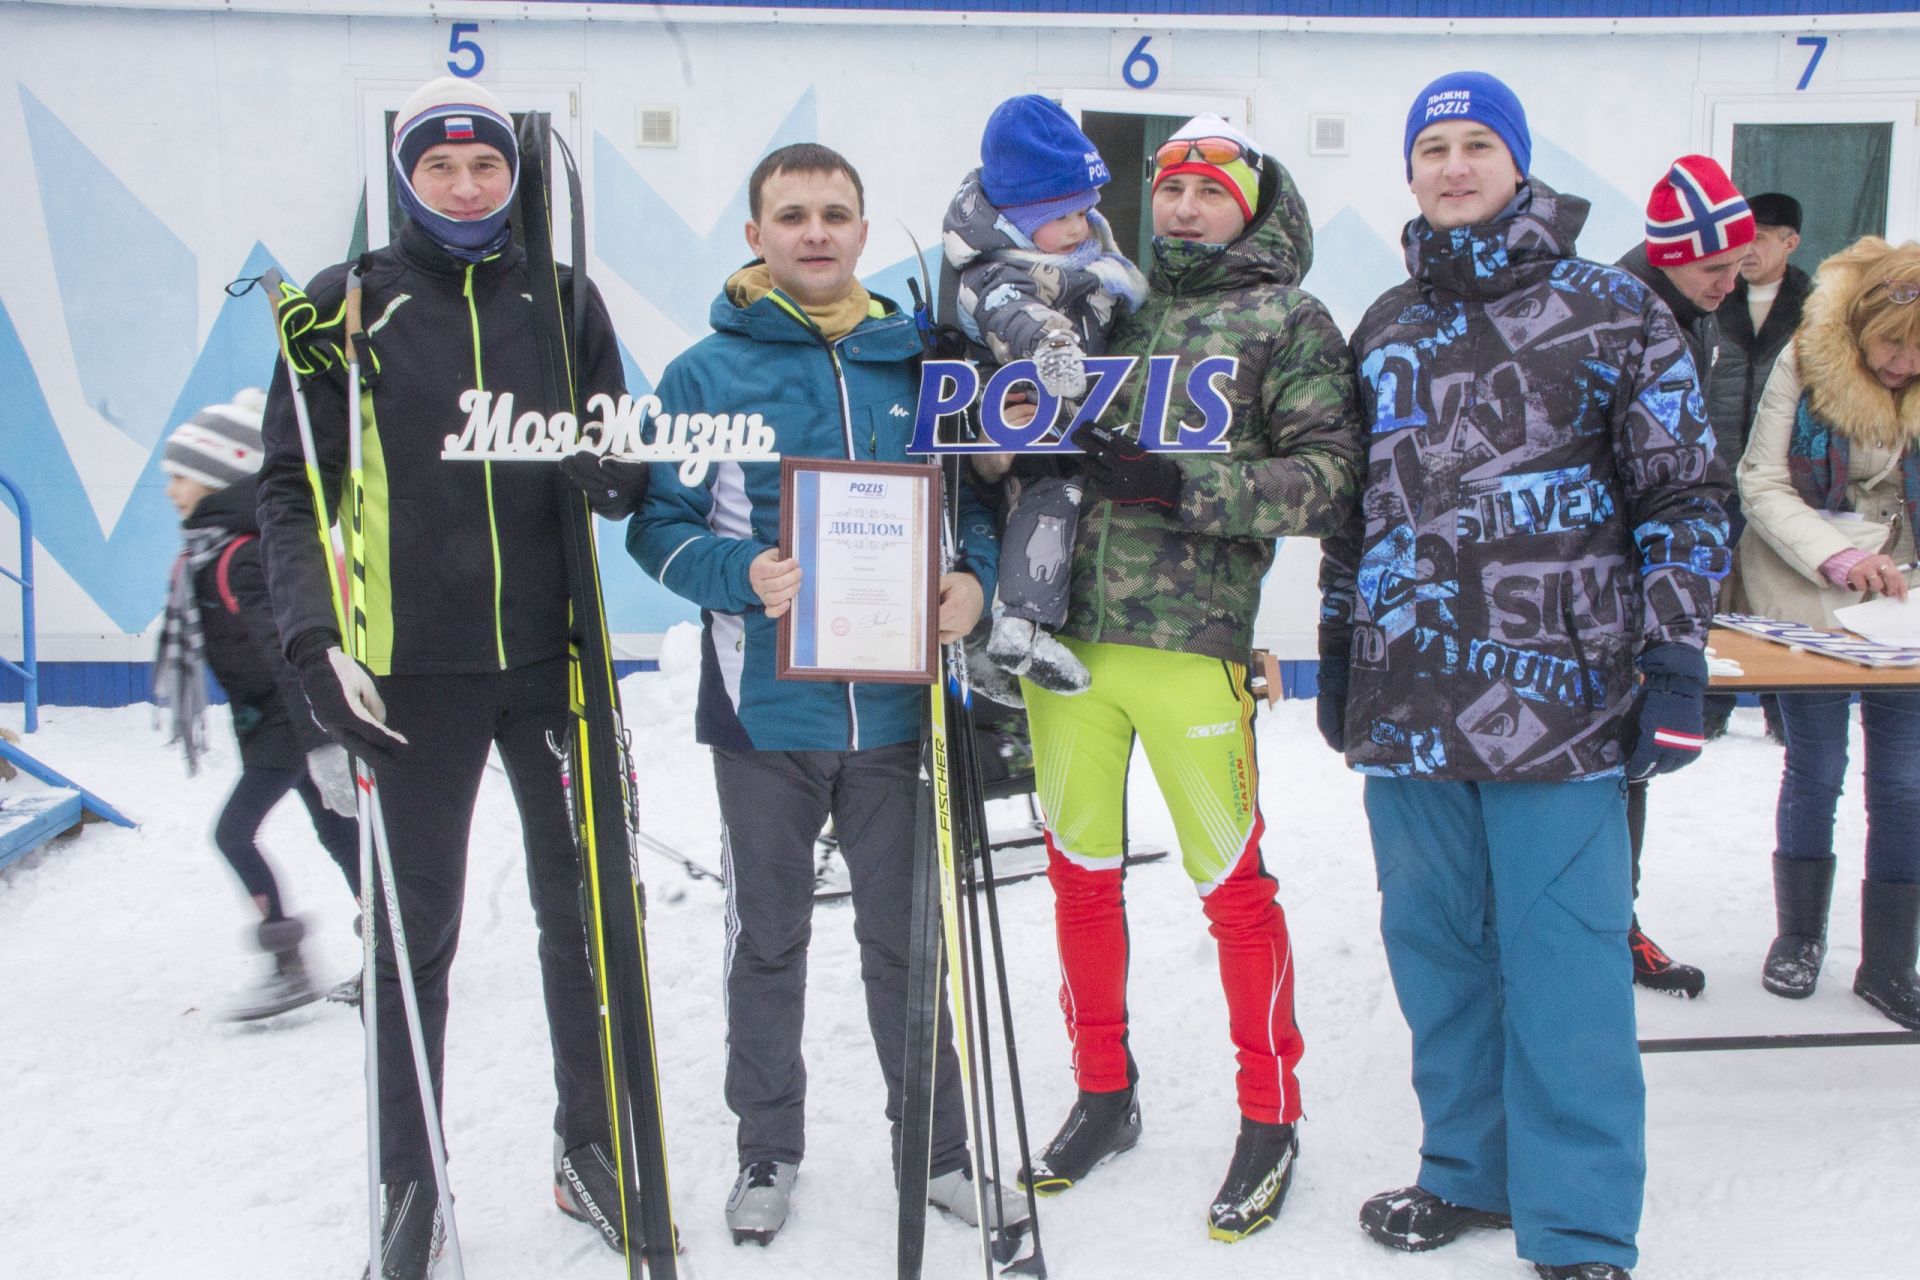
(832, 370)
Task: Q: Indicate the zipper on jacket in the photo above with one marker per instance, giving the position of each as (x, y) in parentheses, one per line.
(1106, 512)
(1579, 650)
(493, 526)
(846, 433)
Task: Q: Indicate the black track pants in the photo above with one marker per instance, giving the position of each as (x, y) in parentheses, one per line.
(428, 795)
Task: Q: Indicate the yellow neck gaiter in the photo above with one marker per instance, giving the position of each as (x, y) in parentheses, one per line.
(835, 320)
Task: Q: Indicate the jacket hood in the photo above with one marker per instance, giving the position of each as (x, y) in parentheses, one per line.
(231, 508)
(1634, 262)
(1531, 236)
(1275, 248)
(1844, 393)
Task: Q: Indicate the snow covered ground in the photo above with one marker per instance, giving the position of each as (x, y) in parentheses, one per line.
(140, 1135)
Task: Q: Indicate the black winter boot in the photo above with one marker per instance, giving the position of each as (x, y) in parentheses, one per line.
(1581, 1271)
(288, 986)
(1802, 890)
(1415, 1219)
(1889, 944)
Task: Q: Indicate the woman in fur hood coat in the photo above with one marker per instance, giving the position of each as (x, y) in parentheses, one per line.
(1831, 484)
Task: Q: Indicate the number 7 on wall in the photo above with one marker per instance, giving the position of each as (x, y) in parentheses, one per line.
(1819, 46)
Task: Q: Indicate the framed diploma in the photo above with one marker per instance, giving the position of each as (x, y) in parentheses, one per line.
(867, 536)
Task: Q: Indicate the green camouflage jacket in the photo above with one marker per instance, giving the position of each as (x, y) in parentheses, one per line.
(1189, 581)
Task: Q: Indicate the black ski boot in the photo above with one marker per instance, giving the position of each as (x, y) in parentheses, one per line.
(1655, 970)
(1415, 1219)
(1582, 1271)
(587, 1187)
(411, 1232)
(1100, 1127)
(1802, 891)
(1257, 1181)
(1889, 942)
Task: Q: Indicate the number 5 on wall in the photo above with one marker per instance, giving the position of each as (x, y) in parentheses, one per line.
(458, 43)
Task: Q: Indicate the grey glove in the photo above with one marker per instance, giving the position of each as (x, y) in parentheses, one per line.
(1062, 366)
(332, 772)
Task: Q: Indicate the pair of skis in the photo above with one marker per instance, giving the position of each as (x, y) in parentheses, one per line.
(953, 875)
(595, 765)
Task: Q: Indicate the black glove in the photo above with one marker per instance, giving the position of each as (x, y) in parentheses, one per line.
(614, 486)
(1330, 706)
(1119, 470)
(344, 700)
(1672, 723)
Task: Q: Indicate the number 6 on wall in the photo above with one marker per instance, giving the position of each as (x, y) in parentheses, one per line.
(458, 43)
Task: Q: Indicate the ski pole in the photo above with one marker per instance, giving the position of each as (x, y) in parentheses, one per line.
(369, 786)
(289, 307)
(1035, 1264)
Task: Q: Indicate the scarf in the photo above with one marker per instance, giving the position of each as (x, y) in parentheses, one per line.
(180, 662)
(1819, 463)
(835, 320)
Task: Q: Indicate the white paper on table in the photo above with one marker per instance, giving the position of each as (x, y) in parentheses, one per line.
(1889, 621)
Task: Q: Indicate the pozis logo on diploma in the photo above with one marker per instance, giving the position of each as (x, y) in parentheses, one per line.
(866, 536)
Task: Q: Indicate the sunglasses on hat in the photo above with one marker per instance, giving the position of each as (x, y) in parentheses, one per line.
(1213, 151)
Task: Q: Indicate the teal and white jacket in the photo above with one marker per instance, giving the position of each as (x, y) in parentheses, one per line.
(853, 398)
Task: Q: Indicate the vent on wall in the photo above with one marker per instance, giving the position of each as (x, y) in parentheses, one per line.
(659, 127)
(1326, 135)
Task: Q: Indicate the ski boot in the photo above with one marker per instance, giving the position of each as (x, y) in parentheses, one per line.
(288, 986)
(1257, 1181)
(1415, 1219)
(412, 1233)
(1582, 1271)
(586, 1187)
(1100, 1127)
(952, 1192)
(1020, 648)
(1655, 970)
(761, 1198)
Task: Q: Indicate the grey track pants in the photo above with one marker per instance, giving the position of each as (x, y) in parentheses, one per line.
(773, 804)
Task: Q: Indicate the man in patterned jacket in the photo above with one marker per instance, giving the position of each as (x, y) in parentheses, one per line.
(1167, 564)
(1542, 513)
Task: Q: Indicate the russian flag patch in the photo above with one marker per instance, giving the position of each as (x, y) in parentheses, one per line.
(459, 128)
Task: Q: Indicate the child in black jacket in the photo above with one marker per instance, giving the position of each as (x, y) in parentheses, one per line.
(218, 614)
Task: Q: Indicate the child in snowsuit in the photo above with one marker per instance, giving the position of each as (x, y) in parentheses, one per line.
(1040, 279)
(218, 614)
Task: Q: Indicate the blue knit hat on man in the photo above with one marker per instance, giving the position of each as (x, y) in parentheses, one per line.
(1032, 151)
(1475, 96)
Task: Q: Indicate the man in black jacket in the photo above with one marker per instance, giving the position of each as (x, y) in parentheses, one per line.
(1756, 323)
(1698, 229)
(462, 587)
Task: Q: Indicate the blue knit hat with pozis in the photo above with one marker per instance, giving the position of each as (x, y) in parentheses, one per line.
(1036, 165)
(458, 112)
(1475, 96)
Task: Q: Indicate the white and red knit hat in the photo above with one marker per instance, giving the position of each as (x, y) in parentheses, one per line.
(1695, 212)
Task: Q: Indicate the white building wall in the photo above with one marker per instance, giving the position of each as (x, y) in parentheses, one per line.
(207, 132)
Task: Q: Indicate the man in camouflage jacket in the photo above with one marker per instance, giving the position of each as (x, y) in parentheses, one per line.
(1543, 510)
(1167, 564)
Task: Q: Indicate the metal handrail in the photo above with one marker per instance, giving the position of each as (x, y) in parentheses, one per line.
(28, 668)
